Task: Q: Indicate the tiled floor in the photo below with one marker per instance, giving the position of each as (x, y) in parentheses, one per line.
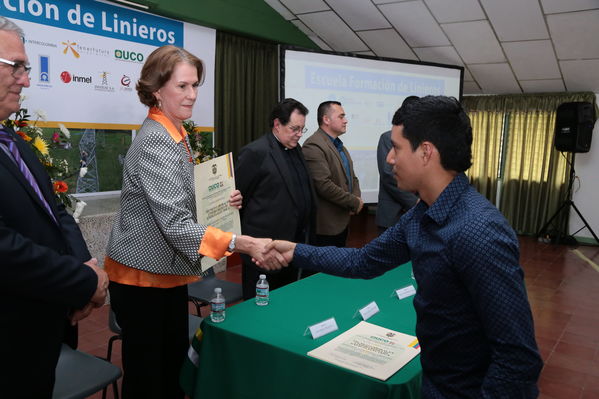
(563, 289)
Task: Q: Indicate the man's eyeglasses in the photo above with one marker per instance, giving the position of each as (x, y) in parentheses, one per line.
(298, 129)
(19, 68)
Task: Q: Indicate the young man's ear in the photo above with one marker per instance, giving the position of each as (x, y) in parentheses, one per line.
(426, 150)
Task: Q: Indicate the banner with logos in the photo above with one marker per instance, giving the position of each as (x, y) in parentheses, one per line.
(86, 58)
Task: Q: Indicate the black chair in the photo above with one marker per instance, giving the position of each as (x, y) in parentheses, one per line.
(194, 323)
(202, 291)
(79, 375)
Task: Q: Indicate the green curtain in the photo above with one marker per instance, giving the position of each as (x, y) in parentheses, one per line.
(534, 176)
(487, 134)
(246, 89)
(524, 102)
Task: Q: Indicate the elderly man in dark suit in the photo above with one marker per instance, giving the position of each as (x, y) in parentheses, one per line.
(278, 197)
(332, 170)
(47, 279)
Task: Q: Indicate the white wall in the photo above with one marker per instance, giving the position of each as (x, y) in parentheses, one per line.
(585, 192)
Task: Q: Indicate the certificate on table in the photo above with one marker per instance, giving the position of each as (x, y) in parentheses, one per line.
(214, 182)
(369, 349)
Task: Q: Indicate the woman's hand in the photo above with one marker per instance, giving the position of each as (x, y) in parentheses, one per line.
(266, 256)
(236, 199)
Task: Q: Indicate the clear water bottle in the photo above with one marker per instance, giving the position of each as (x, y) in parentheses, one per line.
(262, 291)
(218, 306)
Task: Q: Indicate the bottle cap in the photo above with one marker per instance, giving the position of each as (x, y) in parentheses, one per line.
(263, 277)
(218, 290)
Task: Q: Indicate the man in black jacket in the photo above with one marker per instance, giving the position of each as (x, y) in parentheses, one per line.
(278, 197)
(47, 279)
(393, 201)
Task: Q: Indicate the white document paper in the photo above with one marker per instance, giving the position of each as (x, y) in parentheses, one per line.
(214, 182)
(369, 310)
(406, 292)
(369, 349)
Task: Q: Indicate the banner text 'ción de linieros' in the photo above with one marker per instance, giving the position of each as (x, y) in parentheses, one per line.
(97, 18)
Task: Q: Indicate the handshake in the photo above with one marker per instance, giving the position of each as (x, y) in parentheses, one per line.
(266, 253)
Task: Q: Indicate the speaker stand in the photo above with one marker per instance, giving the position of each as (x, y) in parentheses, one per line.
(566, 205)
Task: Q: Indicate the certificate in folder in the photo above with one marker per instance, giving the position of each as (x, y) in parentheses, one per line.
(369, 349)
(214, 182)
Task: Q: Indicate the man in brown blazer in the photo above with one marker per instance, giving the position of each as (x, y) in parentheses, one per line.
(332, 171)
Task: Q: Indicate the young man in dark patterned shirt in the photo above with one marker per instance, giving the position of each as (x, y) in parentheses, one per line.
(474, 321)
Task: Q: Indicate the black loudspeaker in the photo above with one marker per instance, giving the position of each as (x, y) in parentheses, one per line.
(574, 127)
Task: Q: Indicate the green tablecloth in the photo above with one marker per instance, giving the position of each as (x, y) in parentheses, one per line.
(260, 352)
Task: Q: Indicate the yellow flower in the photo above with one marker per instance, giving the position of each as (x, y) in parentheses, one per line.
(41, 145)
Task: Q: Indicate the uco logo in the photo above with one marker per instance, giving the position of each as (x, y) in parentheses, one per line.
(128, 56)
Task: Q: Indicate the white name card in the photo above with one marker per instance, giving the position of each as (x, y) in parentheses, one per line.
(406, 292)
(323, 328)
(369, 310)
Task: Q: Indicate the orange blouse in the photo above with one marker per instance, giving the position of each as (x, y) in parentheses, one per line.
(214, 244)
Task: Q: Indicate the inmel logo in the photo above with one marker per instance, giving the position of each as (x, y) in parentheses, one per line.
(65, 77)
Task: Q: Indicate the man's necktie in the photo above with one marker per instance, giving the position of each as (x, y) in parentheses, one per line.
(10, 143)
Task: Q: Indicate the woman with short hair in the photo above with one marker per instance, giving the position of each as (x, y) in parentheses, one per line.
(156, 244)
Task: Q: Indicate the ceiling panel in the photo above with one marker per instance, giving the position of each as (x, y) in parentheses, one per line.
(532, 59)
(415, 24)
(516, 19)
(455, 10)
(280, 8)
(507, 45)
(365, 53)
(302, 6)
(495, 78)
(542, 86)
(387, 43)
(442, 55)
(359, 14)
(474, 41)
(555, 6)
(581, 75)
(471, 88)
(320, 43)
(333, 30)
(301, 26)
(576, 34)
(388, 1)
(467, 75)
